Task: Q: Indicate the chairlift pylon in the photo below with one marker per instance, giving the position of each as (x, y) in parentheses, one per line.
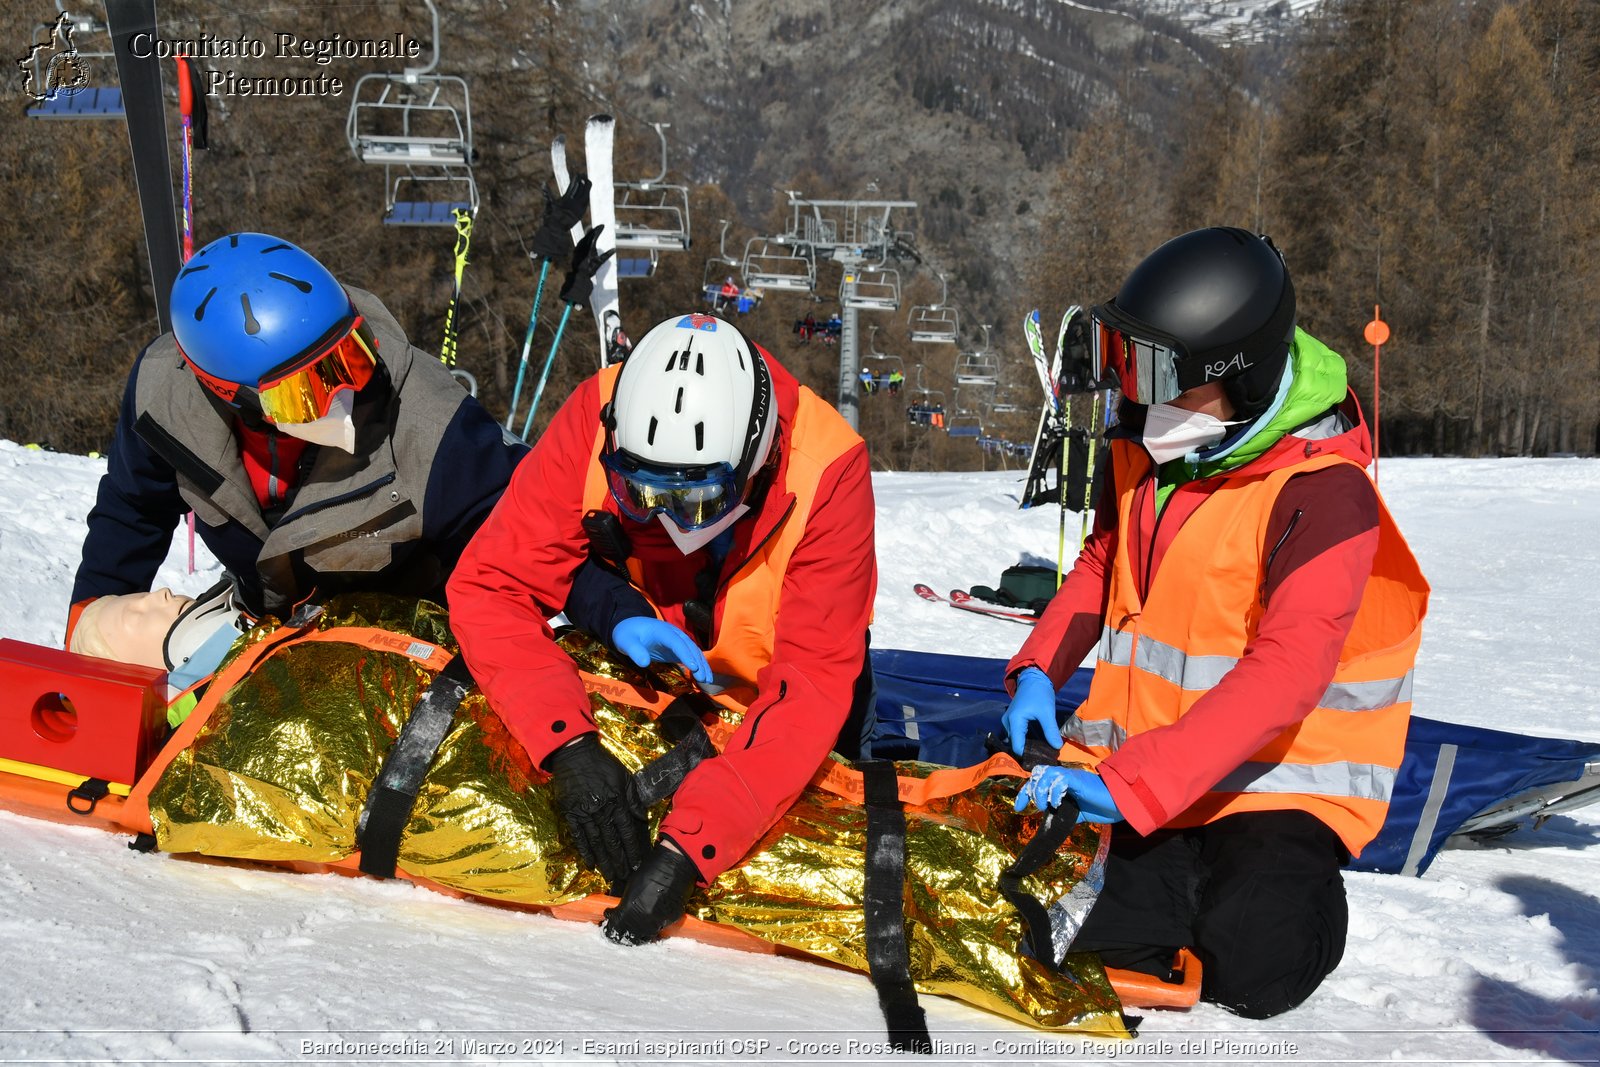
(935, 323)
(417, 125)
(653, 214)
(59, 76)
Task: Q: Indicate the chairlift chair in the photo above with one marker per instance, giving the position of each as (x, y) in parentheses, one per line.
(935, 323)
(719, 268)
(653, 214)
(71, 101)
(884, 363)
(870, 289)
(927, 405)
(417, 125)
(975, 400)
(408, 202)
(770, 263)
(638, 266)
(978, 366)
(959, 425)
(1005, 401)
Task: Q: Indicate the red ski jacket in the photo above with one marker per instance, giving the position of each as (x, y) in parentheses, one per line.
(520, 568)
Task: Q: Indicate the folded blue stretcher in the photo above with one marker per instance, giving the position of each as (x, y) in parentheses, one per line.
(1454, 780)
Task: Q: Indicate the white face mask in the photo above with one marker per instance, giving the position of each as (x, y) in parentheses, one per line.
(692, 541)
(1172, 432)
(336, 429)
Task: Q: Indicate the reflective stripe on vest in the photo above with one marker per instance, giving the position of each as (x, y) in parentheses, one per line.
(1364, 780)
(748, 601)
(1203, 611)
(1202, 672)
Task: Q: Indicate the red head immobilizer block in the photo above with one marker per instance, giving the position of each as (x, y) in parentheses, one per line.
(79, 714)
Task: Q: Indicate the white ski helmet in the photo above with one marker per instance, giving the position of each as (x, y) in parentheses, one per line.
(691, 421)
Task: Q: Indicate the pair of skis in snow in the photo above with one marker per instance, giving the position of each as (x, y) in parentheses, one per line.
(965, 601)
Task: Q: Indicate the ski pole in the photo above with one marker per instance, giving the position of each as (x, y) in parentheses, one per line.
(187, 113)
(1061, 538)
(553, 240)
(527, 342)
(575, 289)
(544, 375)
(447, 351)
(1088, 477)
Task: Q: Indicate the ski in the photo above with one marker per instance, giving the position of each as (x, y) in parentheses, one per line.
(144, 103)
(927, 593)
(1031, 329)
(963, 599)
(599, 137)
(558, 167)
(1063, 388)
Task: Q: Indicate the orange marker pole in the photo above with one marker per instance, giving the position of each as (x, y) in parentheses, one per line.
(1376, 333)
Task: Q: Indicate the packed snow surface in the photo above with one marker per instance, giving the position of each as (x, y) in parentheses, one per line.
(1492, 957)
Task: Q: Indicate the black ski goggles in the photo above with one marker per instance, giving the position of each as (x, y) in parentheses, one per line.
(1145, 361)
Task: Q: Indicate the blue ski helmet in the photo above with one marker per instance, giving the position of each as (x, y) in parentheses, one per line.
(249, 303)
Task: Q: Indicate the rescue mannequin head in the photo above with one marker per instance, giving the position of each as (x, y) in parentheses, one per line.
(130, 628)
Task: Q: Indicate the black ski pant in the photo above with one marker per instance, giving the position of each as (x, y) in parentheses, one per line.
(1258, 896)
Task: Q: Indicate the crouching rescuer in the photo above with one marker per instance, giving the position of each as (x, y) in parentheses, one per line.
(728, 513)
(1256, 616)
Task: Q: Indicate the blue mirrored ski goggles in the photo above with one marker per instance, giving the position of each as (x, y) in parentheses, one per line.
(692, 497)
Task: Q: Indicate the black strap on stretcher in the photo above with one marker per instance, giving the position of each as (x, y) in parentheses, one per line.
(680, 724)
(394, 794)
(888, 958)
(1046, 842)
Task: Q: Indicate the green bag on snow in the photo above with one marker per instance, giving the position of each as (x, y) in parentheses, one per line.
(1023, 586)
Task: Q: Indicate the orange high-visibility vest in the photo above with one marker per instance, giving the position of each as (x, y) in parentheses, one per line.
(749, 600)
(1156, 660)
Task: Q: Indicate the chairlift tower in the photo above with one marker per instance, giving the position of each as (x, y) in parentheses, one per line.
(858, 235)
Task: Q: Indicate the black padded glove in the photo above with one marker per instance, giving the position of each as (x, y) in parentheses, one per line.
(595, 794)
(654, 899)
(586, 261)
(552, 241)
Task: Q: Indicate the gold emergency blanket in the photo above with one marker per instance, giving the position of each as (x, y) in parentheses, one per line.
(282, 766)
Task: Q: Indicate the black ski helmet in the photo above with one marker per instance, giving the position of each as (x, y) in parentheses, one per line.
(1224, 296)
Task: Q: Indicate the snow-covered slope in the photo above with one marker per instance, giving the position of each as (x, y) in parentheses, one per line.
(1494, 956)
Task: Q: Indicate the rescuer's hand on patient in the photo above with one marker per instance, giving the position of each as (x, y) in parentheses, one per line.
(645, 641)
(655, 897)
(1035, 702)
(1048, 785)
(595, 794)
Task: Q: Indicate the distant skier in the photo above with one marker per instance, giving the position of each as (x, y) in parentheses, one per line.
(739, 505)
(319, 451)
(1257, 615)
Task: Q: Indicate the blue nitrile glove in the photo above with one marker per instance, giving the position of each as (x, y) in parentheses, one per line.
(1048, 784)
(1035, 702)
(645, 641)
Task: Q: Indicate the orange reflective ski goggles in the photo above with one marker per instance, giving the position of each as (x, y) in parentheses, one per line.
(303, 389)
